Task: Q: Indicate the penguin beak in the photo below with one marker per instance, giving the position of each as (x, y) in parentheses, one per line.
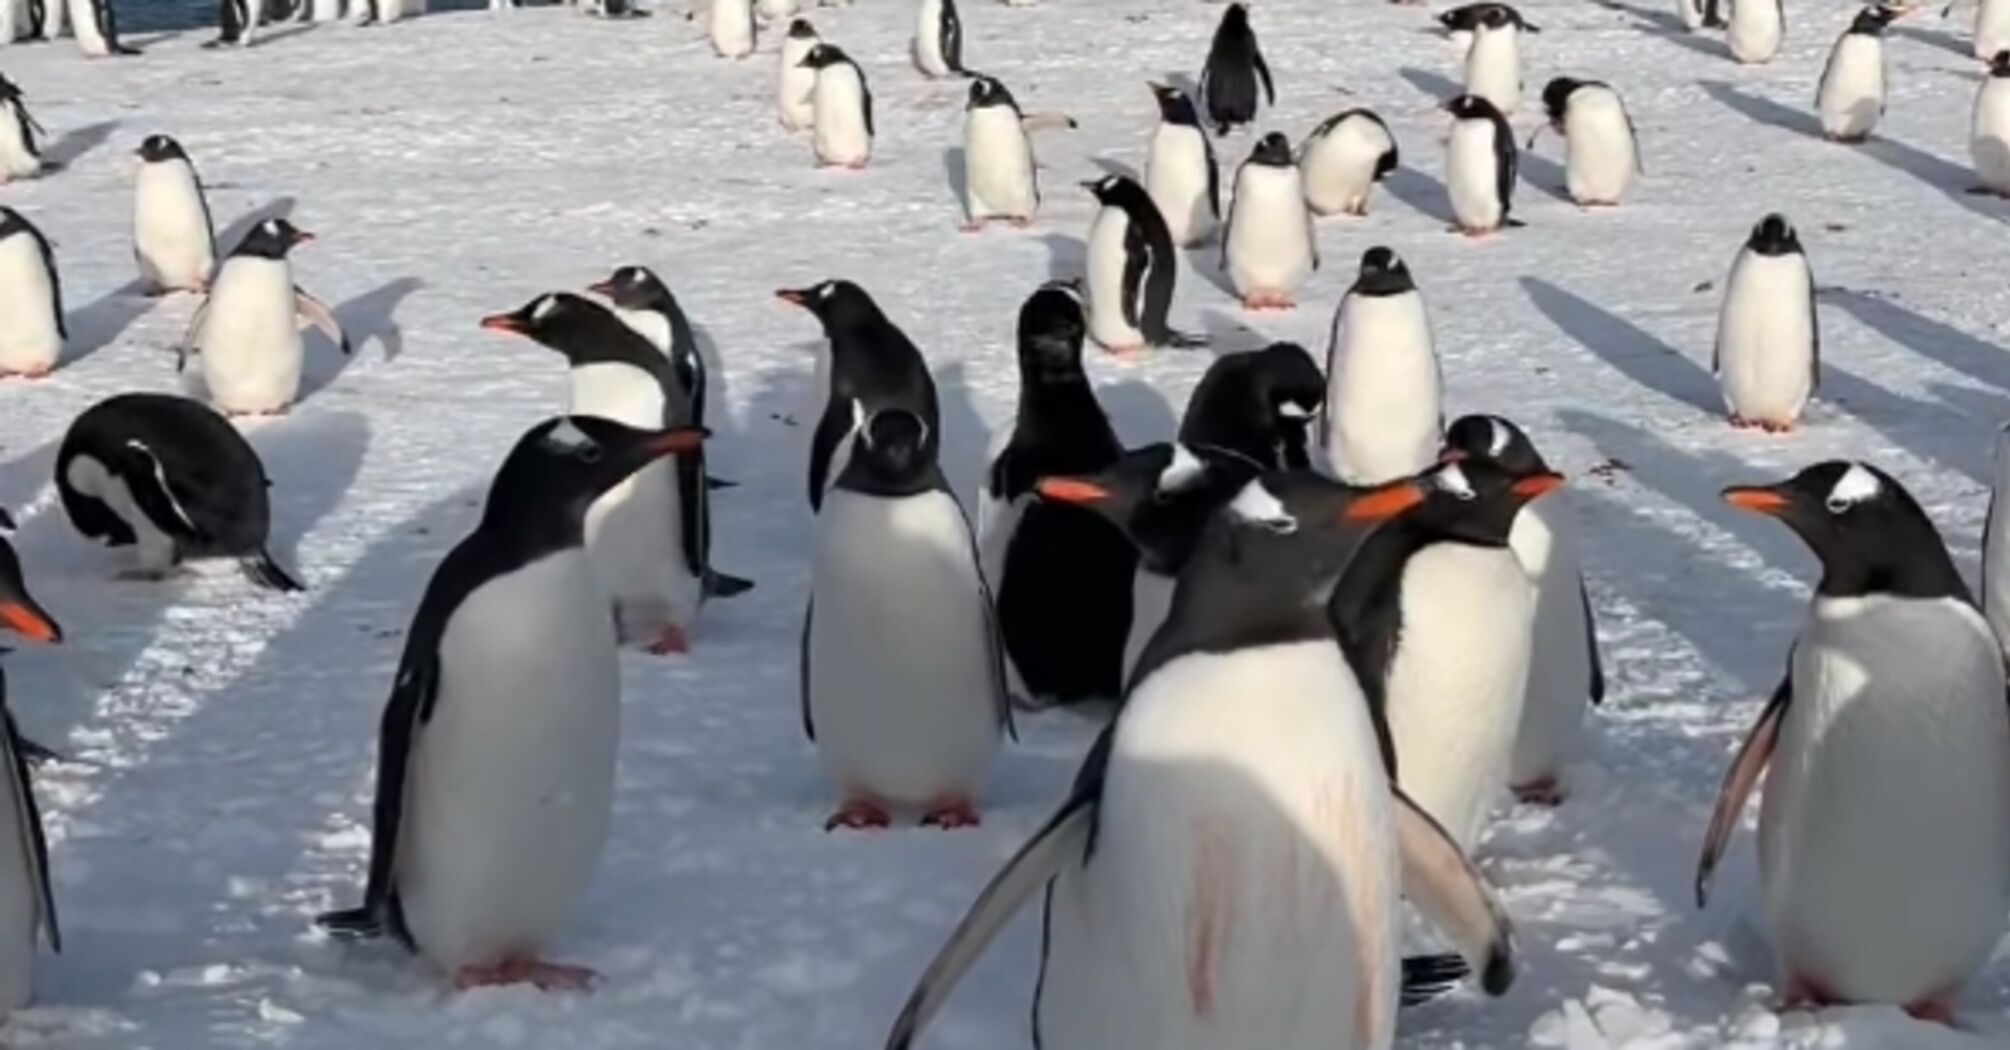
(1454, 455)
(1537, 486)
(1088, 184)
(1385, 503)
(1759, 499)
(510, 323)
(26, 618)
(794, 296)
(1071, 490)
(602, 288)
(682, 439)
(302, 237)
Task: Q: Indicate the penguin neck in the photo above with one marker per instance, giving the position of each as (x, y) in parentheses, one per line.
(1919, 568)
(1059, 416)
(1218, 607)
(1374, 579)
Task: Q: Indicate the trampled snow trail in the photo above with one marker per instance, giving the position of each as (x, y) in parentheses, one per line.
(456, 165)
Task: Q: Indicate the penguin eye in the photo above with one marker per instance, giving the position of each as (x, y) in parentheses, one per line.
(588, 453)
(1280, 526)
(1836, 505)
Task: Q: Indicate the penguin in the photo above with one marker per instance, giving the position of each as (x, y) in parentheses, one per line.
(1384, 387)
(1699, 14)
(1234, 66)
(173, 480)
(1850, 96)
(842, 105)
(776, 10)
(54, 18)
(1564, 669)
(644, 303)
(27, 897)
(938, 39)
(1996, 545)
(237, 22)
(1493, 62)
(999, 176)
(20, 134)
(495, 760)
(1259, 405)
(870, 365)
(1480, 163)
(32, 332)
(247, 332)
(1343, 159)
(1989, 135)
(1768, 358)
(174, 238)
(732, 28)
(902, 676)
(1229, 864)
(97, 28)
(1884, 832)
(1602, 149)
(1992, 27)
(1437, 618)
(796, 83)
(1459, 23)
(1131, 268)
(1757, 28)
(1180, 171)
(1269, 248)
(1062, 575)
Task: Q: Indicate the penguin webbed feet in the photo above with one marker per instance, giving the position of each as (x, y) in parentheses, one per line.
(1543, 791)
(353, 924)
(263, 571)
(951, 814)
(545, 976)
(859, 814)
(725, 584)
(1428, 977)
(1178, 340)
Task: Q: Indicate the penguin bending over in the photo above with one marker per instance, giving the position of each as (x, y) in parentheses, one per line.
(1602, 150)
(1258, 405)
(1989, 131)
(1234, 65)
(1384, 387)
(938, 39)
(1850, 95)
(20, 134)
(1131, 268)
(842, 105)
(27, 898)
(1768, 358)
(32, 329)
(1480, 165)
(248, 330)
(1180, 171)
(174, 239)
(1269, 247)
(1343, 159)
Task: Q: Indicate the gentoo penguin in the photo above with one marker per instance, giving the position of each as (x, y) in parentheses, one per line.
(1992, 27)
(1989, 135)
(999, 180)
(732, 28)
(27, 901)
(171, 479)
(1996, 544)
(1493, 62)
(1602, 151)
(903, 681)
(1699, 14)
(1268, 247)
(938, 39)
(248, 331)
(1768, 359)
(1061, 574)
(1343, 159)
(237, 22)
(1458, 24)
(1884, 836)
(776, 10)
(20, 150)
(1850, 96)
(1480, 162)
(869, 365)
(1259, 405)
(644, 303)
(1757, 27)
(32, 331)
(1437, 618)
(1180, 171)
(649, 537)
(842, 105)
(1227, 870)
(796, 83)
(495, 761)
(1383, 394)
(174, 239)
(1564, 670)
(1131, 268)
(97, 28)
(1228, 83)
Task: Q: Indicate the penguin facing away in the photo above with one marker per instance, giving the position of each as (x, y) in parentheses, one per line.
(1228, 83)
(1768, 358)
(97, 28)
(1000, 180)
(1989, 133)
(1384, 388)
(27, 898)
(174, 238)
(732, 28)
(1886, 758)
(842, 105)
(32, 330)
(20, 134)
(796, 83)
(1258, 405)
(1131, 270)
(1480, 165)
(1343, 159)
(1180, 171)
(1602, 150)
(1269, 247)
(248, 330)
(938, 39)
(1756, 30)
(1851, 93)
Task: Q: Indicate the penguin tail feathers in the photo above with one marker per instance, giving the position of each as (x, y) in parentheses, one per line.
(1428, 977)
(715, 484)
(725, 584)
(354, 924)
(266, 573)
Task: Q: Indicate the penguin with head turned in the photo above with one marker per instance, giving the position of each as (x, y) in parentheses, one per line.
(1258, 404)
(795, 82)
(1131, 270)
(248, 330)
(1384, 388)
(1480, 165)
(174, 239)
(27, 898)
(1768, 357)
(1493, 62)
(1228, 82)
(1000, 178)
(1180, 171)
(1269, 247)
(20, 134)
(644, 303)
(1850, 95)
(32, 328)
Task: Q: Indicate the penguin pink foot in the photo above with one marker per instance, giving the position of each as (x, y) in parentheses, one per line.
(1804, 994)
(1772, 427)
(1021, 223)
(859, 814)
(672, 640)
(952, 814)
(30, 374)
(974, 226)
(857, 165)
(1268, 301)
(1544, 791)
(1936, 1009)
(547, 976)
(1127, 353)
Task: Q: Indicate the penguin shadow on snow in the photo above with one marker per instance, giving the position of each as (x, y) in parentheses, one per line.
(1544, 175)
(1947, 42)
(71, 146)
(312, 459)
(1670, 28)
(1439, 87)
(965, 436)
(370, 317)
(1067, 256)
(1139, 411)
(1928, 430)
(953, 172)
(1229, 331)
(23, 477)
(1952, 347)
(1421, 192)
(1634, 352)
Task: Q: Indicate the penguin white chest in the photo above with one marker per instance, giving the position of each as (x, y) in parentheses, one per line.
(1989, 140)
(30, 332)
(1757, 27)
(251, 350)
(1992, 28)
(171, 236)
(998, 166)
(17, 159)
(1111, 317)
(794, 86)
(1544, 540)
(841, 134)
(929, 56)
(1472, 174)
(1340, 165)
(634, 531)
(1766, 338)
(1851, 96)
(20, 895)
(1493, 67)
(1884, 835)
(732, 28)
(1602, 157)
(1178, 174)
(1270, 249)
(1383, 410)
(512, 782)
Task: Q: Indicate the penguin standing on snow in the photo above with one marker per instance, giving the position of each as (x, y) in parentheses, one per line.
(248, 331)
(1383, 397)
(1989, 134)
(171, 479)
(1131, 268)
(869, 364)
(1992, 27)
(1493, 62)
(842, 105)
(1602, 151)
(1228, 82)
(1884, 835)
(903, 681)
(999, 177)
(938, 39)
(1757, 28)
(27, 900)
(1343, 159)
(1480, 163)
(796, 83)
(20, 148)
(237, 22)
(32, 331)
(1269, 249)
(1259, 405)
(1850, 96)
(1230, 863)
(1180, 171)
(97, 28)
(174, 239)
(1768, 359)
(1563, 668)
(495, 760)
(48, 19)
(732, 28)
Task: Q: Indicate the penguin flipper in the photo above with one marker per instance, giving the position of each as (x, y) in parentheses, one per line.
(29, 819)
(725, 584)
(1136, 258)
(1263, 70)
(1445, 886)
(316, 313)
(148, 484)
(803, 669)
(265, 572)
(715, 484)
(694, 512)
(833, 429)
(1591, 645)
(1427, 977)
(1739, 781)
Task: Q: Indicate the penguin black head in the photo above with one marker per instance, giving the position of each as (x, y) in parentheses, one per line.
(560, 466)
(19, 612)
(890, 449)
(158, 148)
(1472, 107)
(1461, 19)
(2000, 65)
(635, 288)
(1774, 235)
(1259, 405)
(989, 91)
(801, 29)
(1476, 501)
(1872, 537)
(1161, 496)
(838, 304)
(1874, 20)
(1174, 105)
(1495, 16)
(1115, 190)
(1272, 150)
(1236, 17)
(1383, 272)
(824, 55)
(1556, 97)
(1051, 330)
(1297, 529)
(1493, 439)
(272, 239)
(573, 325)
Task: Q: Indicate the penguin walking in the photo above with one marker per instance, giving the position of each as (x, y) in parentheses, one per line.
(1229, 865)
(495, 761)
(1989, 134)
(1564, 670)
(32, 331)
(732, 28)
(1343, 159)
(174, 239)
(27, 898)
(842, 108)
(999, 176)
(248, 331)
(796, 82)
(1180, 170)
(1757, 28)
(1480, 164)
(1131, 269)
(1269, 248)
(1768, 358)
(20, 134)
(1602, 150)
(1228, 83)
(1851, 93)
(1493, 62)
(97, 28)
(938, 39)
(1886, 758)
(1258, 405)
(903, 681)
(1383, 395)
(171, 479)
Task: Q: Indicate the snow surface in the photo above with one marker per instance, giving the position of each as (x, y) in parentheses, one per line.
(221, 738)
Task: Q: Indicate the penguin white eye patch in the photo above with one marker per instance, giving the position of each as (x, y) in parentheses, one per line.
(1453, 480)
(1259, 506)
(566, 437)
(1855, 486)
(1184, 470)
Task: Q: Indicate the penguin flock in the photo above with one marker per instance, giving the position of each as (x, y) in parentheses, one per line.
(1325, 629)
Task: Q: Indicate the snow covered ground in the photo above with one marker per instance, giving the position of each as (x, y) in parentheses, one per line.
(221, 738)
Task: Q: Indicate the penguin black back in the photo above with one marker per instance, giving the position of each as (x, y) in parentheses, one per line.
(1871, 536)
(1060, 428)
(1152, 263)
(1229, 81)
(1161, 496)
(1259, 404)
(1507, 157)
(1496, 439)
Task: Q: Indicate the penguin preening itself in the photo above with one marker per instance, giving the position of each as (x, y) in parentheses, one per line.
(20, 147)
(732, 28)
(1131, 269)
(1850, 95)
(1000, 180)
(1602, 151)
(1228, 868)
(1884, 835)
(1493, 61)
(27, 900)
(1989, 132)
(32, 329)
(1228, 83)
(97, 28)
(1269, 248)
(796, 82)
(1480, 164)
(1180, 171)
(248, 330)
(842, 108)
(1756, 30)
(938, 39)
(1258, 404)
(1384, 394)
(174, 238)
(1343, 159)
(1768, 358)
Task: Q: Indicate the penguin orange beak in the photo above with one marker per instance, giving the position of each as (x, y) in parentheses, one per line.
(1071, 490)
(1537, 486)
(1385, 503)
(795, 296)
(1759, 499)
(29, 621)
(510, 323)
(682, 439)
